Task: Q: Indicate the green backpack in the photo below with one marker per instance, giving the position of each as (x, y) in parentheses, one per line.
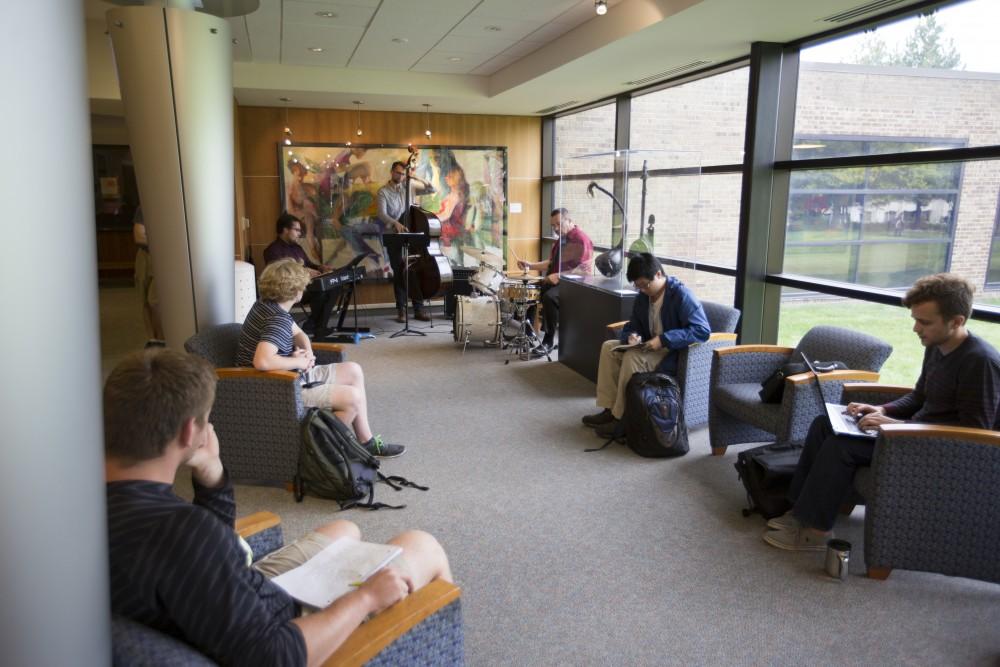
(334, 465)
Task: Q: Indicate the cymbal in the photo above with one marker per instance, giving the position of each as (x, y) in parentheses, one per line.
(485, 257)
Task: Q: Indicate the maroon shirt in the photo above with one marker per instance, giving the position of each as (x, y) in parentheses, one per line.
(281, 250)
(576, 249)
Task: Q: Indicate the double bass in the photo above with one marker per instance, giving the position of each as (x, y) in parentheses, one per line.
(430, 274)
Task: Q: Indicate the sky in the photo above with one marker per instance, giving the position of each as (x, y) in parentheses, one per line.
(973, 26)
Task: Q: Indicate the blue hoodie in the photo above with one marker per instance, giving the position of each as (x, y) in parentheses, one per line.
(683, 318)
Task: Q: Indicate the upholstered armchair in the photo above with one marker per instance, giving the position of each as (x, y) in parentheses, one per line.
(932, 496)
(695, 363)
(736, 413)
(423, 629)
(257, 415)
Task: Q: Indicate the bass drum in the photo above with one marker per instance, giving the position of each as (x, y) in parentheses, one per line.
(477, 319)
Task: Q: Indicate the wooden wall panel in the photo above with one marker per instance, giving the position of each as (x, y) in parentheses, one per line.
(260, 130)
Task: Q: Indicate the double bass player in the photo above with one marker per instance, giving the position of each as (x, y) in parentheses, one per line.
(392, 204)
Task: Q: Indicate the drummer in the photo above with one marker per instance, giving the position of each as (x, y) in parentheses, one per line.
(573, 254)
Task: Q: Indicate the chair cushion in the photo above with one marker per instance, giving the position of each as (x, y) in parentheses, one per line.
(743, 402)
(136, 644)
(858, 350)
(218, 344)
(721, 319)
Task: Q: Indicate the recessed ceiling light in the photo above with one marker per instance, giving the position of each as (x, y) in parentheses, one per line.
(492, 28)
(316, 49)
(235, 42)
(400, 40)
(284, 99)
(454, 59)
(326, 15)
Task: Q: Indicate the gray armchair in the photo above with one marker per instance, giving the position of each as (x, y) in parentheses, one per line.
(257, 414)
(423, 629)
(932, 496)
(736, 413)
(695, 363)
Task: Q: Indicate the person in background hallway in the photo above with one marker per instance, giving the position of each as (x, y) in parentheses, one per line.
(179, 567)
(573, 254)
(148, 300)
(666, 317)
(391, 207)
(959, 385)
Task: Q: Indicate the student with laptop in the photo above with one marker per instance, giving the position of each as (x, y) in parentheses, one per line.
(959, 385)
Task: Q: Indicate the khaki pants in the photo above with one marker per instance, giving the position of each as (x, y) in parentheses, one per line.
(615, 369)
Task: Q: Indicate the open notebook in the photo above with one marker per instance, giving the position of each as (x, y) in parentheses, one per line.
(335, 571)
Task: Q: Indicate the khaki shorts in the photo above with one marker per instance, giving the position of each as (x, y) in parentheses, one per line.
(319, 396)
(298, 552)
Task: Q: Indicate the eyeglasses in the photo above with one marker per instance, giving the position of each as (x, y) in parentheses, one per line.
(641, 285)
(399, 173)
(296, 229)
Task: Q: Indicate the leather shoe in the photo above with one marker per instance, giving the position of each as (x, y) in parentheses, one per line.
(422, 316)
(400, 315)
(602, 417)
(612, 429)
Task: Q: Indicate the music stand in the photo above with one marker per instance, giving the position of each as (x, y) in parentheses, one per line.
(406, 241)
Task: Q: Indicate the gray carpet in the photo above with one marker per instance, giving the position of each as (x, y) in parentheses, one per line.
(567, 557)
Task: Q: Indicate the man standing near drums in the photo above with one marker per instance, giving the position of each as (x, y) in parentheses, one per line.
(391, 206)
(573, 254)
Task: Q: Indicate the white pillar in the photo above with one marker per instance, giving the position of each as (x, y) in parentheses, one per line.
(53, 536)
(175, 74)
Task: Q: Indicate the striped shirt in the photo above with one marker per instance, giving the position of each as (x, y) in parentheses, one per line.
(177, 567)
(266, 321)
(959, 388)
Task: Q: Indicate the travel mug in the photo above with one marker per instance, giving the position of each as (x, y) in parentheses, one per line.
(838, 558)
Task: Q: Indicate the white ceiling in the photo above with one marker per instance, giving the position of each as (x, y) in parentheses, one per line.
(490, 56)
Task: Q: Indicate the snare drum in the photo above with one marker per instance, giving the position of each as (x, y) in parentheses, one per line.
(477, 319)
(487, 279)
(517, 291)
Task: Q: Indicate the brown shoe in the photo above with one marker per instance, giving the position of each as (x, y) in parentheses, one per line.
(422, 316)
(400, 315)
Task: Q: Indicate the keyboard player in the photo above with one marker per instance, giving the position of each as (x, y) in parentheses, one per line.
(286, 246)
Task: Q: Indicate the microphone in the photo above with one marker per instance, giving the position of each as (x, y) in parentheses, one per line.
(590, 189)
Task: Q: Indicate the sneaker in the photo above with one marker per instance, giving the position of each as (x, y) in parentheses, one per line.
(797, 539)
(612, 429)
(383, 450)
(540, 350)
(422, 316)
(784, 522)
(602, 417)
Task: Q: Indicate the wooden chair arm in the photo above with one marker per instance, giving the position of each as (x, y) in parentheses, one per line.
(713, 337)
(328, 347)
(254, 523)
(284, 376)
(615, 328)
(372, 637)
(894, 389)
(741, 349)
(834, 376)
(964, 433)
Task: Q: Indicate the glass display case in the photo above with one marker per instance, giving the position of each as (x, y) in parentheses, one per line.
(648, 202)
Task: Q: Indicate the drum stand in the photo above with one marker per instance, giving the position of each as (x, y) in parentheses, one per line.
(525, 340)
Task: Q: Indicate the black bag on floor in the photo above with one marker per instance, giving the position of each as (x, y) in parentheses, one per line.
(766, 473)
(334, 465)
(654, 416)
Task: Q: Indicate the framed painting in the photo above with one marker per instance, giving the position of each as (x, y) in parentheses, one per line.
(333, 189)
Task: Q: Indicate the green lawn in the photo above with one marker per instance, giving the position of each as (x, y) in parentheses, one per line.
(891, 324)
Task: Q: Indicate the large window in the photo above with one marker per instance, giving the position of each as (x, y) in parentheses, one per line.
(870, 105)
(585, 133)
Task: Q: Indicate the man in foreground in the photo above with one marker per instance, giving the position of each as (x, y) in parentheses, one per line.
(959, 385)
(178, 567)
(573, 254)
(286, 246)
(666, 317)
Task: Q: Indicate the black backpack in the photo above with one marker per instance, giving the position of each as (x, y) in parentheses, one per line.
(334, 465)
(766, 473)
(654, 417)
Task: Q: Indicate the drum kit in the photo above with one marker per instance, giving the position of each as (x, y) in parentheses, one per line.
(498, 303)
